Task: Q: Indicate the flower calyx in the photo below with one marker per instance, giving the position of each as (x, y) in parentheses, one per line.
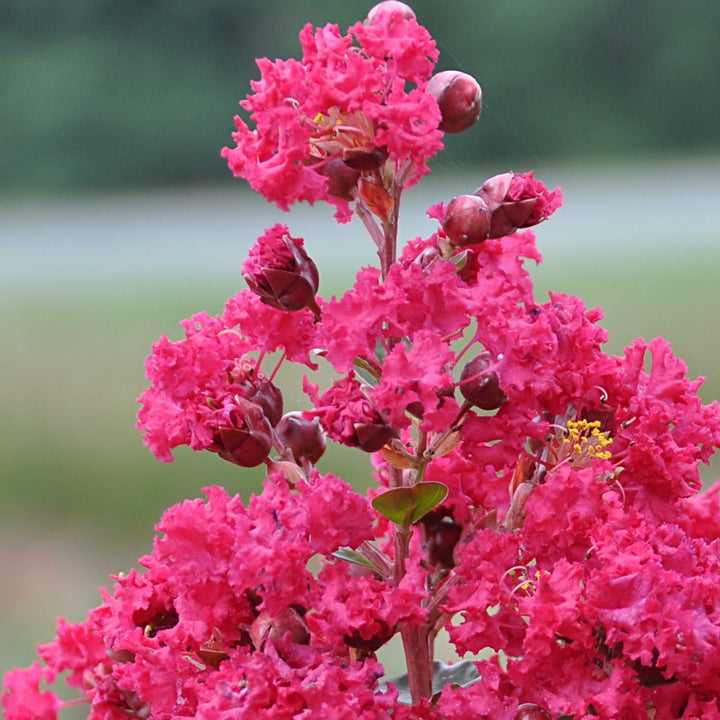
(480, 386)
(245, 435)
(281, 273)
(517, 201)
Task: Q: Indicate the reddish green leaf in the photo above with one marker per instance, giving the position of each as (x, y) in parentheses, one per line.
(405, 506)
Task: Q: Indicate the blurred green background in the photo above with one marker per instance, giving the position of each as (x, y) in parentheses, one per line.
(118, 218)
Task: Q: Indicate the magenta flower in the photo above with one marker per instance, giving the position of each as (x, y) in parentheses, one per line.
(349, 417)
(346, 100)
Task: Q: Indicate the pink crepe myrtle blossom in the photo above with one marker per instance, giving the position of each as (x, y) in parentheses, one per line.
(347, 99)
(536, 499)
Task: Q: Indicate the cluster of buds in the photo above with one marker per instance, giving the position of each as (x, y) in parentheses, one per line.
(500, 206)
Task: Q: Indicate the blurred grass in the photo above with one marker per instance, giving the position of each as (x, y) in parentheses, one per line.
(80, 491)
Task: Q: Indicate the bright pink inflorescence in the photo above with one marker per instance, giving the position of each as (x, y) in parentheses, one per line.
(539, 499)
(352, 112)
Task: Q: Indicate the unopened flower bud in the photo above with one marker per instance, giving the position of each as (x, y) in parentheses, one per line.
(342, 179)
(516, 201)
(267, 628)
(466, 220)
(480, 386)
(531, 711)
(267, 395)
(257, 388)
(459, 98)
(280, 272)
(245, 437)
(370, 437)
(304, 438)
(389, 6)
(442, 534)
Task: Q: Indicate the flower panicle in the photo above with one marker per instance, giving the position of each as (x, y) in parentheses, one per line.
(537, 499)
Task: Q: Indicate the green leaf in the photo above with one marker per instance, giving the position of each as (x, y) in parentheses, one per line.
(362, 370)
(405, 506)
(352, 556)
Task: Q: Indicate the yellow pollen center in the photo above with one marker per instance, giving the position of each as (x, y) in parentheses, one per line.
(584, 442)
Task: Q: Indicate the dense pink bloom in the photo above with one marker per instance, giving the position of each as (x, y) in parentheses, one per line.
(347, 98)
(23, 698)
(349, 416)
(538, 499)
(201, 385)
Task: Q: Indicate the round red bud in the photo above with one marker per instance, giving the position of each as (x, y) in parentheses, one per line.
(246, 439)
(459, 97)
(268, 628)
(304, 438)
(466, 220)
(389, 6)
(480, 386)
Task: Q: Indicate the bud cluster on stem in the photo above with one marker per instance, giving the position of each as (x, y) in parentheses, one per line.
(532, 496)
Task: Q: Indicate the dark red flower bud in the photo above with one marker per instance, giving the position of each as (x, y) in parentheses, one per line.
(304, 438)
(267, 628)
(389, 6)
(342, 179)
(516, 201)
(440, 536)
(257, 388)
(364, 160)
(280, 272)
(531, 711)
(267, 395)
(381, 633)
(481, 386)
(459, 98)
(245, 438)
(466, 220)
(371, 437)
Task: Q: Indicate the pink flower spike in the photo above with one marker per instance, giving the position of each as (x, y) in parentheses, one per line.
(336, 116)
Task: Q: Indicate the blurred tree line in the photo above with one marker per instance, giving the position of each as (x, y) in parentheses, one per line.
(113, 93)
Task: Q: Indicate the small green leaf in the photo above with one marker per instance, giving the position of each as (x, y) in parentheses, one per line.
(352, 556)
(427, 496)
(405, 506)
(364, 373)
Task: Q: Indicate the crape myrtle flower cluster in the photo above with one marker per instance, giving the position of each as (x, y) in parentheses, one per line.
(537, 499)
